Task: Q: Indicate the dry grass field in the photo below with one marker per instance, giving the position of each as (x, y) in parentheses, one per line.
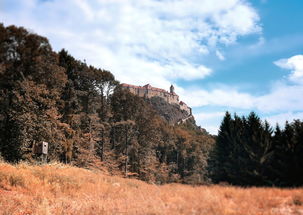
(61, 189)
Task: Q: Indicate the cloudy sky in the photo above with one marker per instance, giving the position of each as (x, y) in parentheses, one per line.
(221, 55)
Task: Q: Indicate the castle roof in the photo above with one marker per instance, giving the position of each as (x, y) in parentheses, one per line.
(129, 85)
(147, 86)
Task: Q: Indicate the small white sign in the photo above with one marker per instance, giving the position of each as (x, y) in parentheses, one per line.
(44, 148)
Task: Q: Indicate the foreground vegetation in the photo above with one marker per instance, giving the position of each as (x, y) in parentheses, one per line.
(62, 189)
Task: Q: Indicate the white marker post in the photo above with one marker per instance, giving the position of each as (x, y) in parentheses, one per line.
(44, 151)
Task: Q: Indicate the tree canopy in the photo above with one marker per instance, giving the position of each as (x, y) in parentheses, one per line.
(249, 152)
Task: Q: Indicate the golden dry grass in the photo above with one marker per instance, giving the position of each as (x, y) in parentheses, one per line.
(61, 189)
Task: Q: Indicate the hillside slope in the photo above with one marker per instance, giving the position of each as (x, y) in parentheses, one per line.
(61, 189)
(170, 112)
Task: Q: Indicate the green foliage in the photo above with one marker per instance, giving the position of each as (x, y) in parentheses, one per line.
(248, 153)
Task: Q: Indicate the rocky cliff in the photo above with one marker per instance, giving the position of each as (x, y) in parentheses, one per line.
(170, 112)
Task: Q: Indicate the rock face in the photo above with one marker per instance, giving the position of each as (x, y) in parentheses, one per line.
(170, 112)
(173, 114)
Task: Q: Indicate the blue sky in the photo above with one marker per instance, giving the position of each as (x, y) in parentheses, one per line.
(231, 55)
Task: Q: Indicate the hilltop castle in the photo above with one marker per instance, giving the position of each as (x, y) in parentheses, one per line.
(147, 91)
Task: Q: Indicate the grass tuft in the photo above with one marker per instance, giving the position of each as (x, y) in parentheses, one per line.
(16, 180)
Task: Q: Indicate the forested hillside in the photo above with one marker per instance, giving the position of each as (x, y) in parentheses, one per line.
(86, 118)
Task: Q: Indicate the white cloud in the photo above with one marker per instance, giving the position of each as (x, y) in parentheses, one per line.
(139, 41)
(283, 102)
(211, 129)
(282, 97)
(86, 9)
(240, 18)
(209, 115)
(283, 117)
(222, 96)
(256, 46)
(220, 55)
(295, 64)
(209, 120)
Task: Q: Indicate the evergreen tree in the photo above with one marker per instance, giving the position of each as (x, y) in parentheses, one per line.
(220, 156)
(258, 148)
(242, 152)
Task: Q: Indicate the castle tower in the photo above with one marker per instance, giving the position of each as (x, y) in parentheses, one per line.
(172, 89)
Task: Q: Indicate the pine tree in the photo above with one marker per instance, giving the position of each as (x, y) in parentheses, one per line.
(242, 152)
(258, 148)
(219, 161)
(298, 152)
(288, 154)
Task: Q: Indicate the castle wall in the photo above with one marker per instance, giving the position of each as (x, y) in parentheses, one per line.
(148, 91)
(141, 92)
(174, 99)
(133, 90)
(184, 107)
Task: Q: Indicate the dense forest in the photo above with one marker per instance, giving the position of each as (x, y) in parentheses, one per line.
(248, 152)
(86, 118)
(90, 121)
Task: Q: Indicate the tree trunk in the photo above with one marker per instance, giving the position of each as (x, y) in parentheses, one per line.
(126, 150)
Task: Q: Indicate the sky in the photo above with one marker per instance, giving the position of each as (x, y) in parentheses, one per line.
(232, 55)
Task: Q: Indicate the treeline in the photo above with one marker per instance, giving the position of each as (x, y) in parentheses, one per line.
(248, 152)
(86, 118)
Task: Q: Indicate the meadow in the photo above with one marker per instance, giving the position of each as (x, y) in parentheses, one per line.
(62, 189)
